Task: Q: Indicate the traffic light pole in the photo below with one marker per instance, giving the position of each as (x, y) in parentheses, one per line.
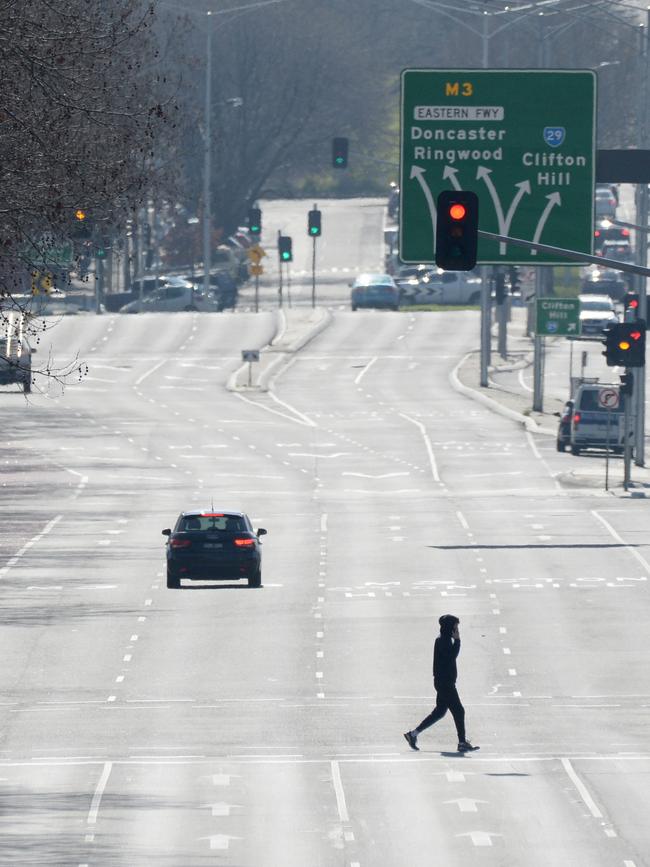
(642, 259)
(486, 335)
(280, 270)
(313, 272)
(628, 434)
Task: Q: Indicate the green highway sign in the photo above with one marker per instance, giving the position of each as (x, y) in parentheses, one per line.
(522, 140)
(557, 316)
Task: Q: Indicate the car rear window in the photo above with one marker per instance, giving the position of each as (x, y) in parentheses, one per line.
(589, 402)
(228, 524)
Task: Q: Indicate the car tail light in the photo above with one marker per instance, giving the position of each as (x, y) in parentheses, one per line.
(180, 543)
(625, 232)
(576, 417)
(244, 543)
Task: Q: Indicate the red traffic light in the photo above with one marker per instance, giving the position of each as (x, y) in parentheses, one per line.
(634, 303)
(635, 335)
(457, 211)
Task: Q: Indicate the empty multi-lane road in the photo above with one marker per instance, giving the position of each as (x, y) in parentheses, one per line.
(222, 725)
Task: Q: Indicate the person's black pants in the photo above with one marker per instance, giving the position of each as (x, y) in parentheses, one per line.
(447, 698)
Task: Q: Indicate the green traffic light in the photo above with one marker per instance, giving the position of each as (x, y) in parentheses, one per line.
(339, 161)
(285, 256)
(314, 230)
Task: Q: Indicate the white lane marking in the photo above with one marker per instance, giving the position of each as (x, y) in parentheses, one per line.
(323, 522)
(357, 379)
(372, 476)
(427, 443)
(99, 791)
(629, 864)
(463, 520)
(338, 791)
(298, 418)
(512, 672)
(480, 838)
(466, 805)
(533, 446)
(618, 538)
(221, 779)
(521, 380)
(220, 841)
(149, 372)
(455, 776)
(582, 789)
(220, 808)
(535, 450)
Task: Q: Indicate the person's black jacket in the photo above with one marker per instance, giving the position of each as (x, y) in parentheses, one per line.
(445, 651)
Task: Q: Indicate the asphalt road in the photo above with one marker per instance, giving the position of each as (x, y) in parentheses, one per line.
(222, 725)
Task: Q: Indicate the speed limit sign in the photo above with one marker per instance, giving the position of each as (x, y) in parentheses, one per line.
(608, 398)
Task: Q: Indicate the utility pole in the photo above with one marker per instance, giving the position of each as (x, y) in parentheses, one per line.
(538, 360)
(207, 163)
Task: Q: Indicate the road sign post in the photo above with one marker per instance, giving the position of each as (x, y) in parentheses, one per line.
(522, 140)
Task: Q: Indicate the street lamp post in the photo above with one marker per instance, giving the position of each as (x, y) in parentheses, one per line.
(207, 163)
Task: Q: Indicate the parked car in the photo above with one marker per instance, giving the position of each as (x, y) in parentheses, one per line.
(213, 545)
(374, 290)
(596, 313)
(564, 426)
(592, 426)
(174, 297)
(15, 351)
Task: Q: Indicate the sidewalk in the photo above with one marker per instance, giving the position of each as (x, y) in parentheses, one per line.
(506, 395)
(295, 327)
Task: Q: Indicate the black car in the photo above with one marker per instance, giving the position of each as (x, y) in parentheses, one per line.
(209, 545)
(564, 427)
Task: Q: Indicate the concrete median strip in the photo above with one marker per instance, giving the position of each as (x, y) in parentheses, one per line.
(295, 328)
(493, 404)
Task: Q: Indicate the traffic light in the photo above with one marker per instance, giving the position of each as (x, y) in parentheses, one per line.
(627, 383)
(82, 225)
(340, 153)
(515, 280)
(457, 230)
(284, 248)
(631, 303)
(314, 225)
(255, 221)
(625, 344)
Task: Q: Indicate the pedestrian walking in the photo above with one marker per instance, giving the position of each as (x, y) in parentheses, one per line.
(445, 653)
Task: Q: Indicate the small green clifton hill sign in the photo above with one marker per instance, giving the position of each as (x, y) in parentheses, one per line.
(557, 316)
(523, 140)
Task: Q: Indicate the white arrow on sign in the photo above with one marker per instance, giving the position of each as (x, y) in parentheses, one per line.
(466, 805)
(480, 838)
(553, 200)
(451, 174)
(220, 841)
(418, 172)
(523, 187)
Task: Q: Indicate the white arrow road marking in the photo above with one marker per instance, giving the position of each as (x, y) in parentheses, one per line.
(220, 841)
(524, 187)
(220, 808)
(222, 779)
(553, 200)
(379, 476)
(418, 172)
(466, 805)
(480, 838)
(452, 175)
(308, 455)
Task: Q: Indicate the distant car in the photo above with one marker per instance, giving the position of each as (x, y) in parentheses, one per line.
(596, 313)
(15, 351)
(604, 281)
(605, 202)
(564, 426)
(620, 250)
(223, 290)
(174, 297)
(605, 230)
(593, 426)
(374, 290)
(214, 545)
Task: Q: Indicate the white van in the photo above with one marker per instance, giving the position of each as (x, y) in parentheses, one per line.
(15, 351)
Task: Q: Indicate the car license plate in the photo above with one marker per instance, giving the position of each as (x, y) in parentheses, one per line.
(212, 545)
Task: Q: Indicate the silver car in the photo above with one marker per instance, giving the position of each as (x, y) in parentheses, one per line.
(596, 313)
(176, 295)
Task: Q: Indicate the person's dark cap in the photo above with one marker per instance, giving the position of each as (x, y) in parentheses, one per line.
(448, 622)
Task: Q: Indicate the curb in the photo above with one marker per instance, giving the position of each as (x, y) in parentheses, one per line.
(528, 423)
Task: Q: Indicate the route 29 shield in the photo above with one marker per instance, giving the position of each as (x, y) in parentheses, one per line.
(554, 135)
